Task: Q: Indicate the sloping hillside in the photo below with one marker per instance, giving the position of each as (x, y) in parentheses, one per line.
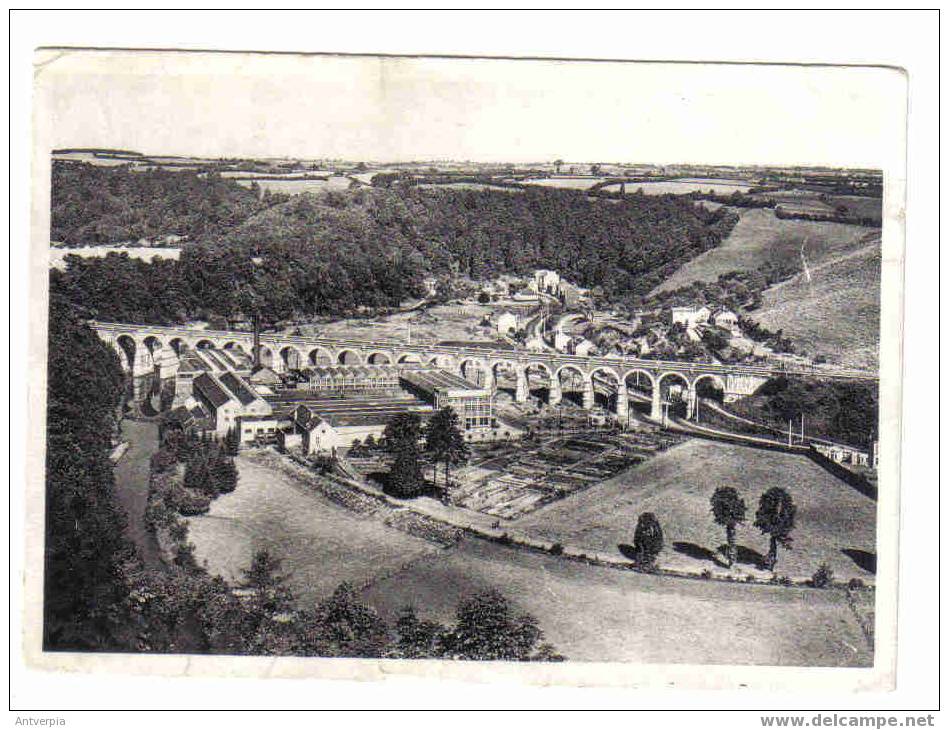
(837, 313)
(760, 238)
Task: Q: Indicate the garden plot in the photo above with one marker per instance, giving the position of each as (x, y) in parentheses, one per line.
(513, 484)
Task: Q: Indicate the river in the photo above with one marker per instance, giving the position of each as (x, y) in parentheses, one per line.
(131, 486)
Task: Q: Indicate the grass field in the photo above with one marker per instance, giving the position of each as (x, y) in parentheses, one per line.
(836, 314)
(570, 183)
(588, 613)
(681, 187)
(760, 238)
(321, 543)
(601, 614)
(293, 187)
(834, 521)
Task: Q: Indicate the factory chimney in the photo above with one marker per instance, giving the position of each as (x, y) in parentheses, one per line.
(256, 341)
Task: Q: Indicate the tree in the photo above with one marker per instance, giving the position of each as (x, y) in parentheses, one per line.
(729, 510)
(270, 594)
(775, 517)
(557, 165)
(444, 440)
(647, 540)
(198, 475)
(487, 629)
(224, 473)
(402, 440)
(343, 626)
(232, 441)
(417, 639)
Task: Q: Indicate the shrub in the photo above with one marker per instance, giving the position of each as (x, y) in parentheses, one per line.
(780, 580)
(855, 584)
(190, 504)
(823, 577)
(556, 549)
(706, 574)
(505, 539)
(647, 541)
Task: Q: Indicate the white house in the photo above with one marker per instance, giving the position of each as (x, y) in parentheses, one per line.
(581, 346)
(690, 316)
(507, 323)
(561, 341)
(726, 319)
(546, 281)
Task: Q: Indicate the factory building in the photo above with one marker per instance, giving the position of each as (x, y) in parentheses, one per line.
(226, 398)
(351, 379)
(324, 425)
(473, 404)
(193, 363)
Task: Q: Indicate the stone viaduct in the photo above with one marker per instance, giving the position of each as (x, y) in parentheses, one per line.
(145, 349)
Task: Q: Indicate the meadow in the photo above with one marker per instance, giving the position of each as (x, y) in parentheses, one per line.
(57, 256)
(760, 238)
(601, 614)
(320, 542)
(570, 183)
(681, 187)
(589, 613)
(291, 186)
(834, 521)
(835, 314)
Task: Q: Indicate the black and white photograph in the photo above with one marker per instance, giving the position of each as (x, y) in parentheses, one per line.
(458, 362)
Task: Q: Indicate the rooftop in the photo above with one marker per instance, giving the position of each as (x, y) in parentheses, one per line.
(212, 391)
(438, 380)
(234, 384)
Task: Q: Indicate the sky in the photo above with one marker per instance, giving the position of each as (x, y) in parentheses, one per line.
(403, 109)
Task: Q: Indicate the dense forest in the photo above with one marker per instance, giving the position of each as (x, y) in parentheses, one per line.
(364, 249)
(837, 410)
(92, 204)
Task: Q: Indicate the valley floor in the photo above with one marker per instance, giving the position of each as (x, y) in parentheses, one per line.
(589, 613)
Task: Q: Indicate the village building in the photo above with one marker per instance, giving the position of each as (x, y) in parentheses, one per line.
(690, 316)
(561, 340)
(581, 346)
(726, 319)
(546, 281)
(571, 295)
(526, 295)
(507, 323)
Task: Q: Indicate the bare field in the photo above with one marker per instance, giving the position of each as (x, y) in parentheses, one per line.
(321, 543)
(836, 314)
(441, 322)
(760, 237)
(293, 187)
(602, 614)
(834, 522)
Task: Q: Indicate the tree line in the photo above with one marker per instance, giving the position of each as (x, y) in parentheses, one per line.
(775, 518)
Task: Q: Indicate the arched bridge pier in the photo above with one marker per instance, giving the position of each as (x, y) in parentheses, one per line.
(610, 382)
